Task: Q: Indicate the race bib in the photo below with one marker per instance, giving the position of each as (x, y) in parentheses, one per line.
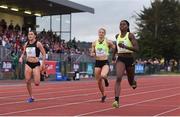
(31, 51)
(122, 50)
(100, 52)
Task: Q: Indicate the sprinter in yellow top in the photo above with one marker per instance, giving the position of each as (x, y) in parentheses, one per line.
(100, 50)
(126, 45)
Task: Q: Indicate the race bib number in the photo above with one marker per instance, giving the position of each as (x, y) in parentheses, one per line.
(31, 51)
(122, 50)
(100, 52)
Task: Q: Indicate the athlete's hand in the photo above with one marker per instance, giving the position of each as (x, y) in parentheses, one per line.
(92, 54)
(20, 60)
(113, 61)
(121, 45)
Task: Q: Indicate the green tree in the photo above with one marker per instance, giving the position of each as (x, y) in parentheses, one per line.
(159, 30)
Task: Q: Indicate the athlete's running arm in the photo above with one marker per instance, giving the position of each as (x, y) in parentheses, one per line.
(40, 46)
(23, 53)
(114, 54)
(92, 53)
(111, 45)
(134, 43)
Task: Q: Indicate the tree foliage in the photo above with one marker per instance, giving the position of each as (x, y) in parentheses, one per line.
(159, 30)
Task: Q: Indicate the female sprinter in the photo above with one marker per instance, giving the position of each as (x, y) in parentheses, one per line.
(126, 45)
(32, 49)
(100, 50)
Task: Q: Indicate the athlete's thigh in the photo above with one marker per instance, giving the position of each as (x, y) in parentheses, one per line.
(105, 71)
(27, 73)
(36, 74)
(97, 72)
(120, 68)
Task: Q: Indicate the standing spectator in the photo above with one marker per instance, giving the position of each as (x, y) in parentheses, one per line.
(3, 24)
(11, 27)
(17, 27)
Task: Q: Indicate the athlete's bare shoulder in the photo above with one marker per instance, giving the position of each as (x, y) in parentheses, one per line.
(110, 43)
(116, 36)
(131, 36)
(94, 43)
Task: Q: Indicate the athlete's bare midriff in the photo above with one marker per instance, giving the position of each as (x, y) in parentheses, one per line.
(125, 54)
(101, 58)
(32, 59)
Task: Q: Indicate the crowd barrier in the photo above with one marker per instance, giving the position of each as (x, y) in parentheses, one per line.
(65, 70)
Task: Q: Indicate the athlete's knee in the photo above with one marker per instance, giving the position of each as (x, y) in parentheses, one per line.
(103, 76)
(119, 79)
(99, 80)
(130, 69)
(28, 81)
(36, 83)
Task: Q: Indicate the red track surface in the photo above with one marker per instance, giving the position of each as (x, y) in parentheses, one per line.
(155, 96)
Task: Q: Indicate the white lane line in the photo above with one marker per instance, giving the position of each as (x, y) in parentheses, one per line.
(75, 103)
(67, 87)
(61, 97)
(45, 88)
(52, 92)
(131, 104)
(165, 112)
(62, 91)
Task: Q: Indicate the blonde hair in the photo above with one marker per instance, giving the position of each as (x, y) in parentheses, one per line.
(103, 30)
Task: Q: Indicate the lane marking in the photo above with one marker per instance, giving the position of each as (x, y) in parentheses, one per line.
(75, 103)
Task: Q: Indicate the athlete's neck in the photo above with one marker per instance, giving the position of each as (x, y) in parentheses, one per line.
(101, 39)
(123, 33)
(32, 41)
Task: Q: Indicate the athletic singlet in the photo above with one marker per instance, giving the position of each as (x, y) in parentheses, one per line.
(124, 40)
(101, 49)
(32, 50)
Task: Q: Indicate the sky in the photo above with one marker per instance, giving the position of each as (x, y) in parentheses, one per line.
(108, 14)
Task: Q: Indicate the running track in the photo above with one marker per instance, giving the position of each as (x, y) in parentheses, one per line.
(155, 96)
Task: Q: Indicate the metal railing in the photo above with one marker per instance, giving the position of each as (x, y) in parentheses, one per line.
(67, 62)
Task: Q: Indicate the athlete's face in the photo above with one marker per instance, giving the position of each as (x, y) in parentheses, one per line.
(123, 26)
(31, 36)
(101, 33)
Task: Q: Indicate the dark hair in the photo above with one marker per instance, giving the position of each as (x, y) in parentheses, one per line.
(128, 30)
(35, 33)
